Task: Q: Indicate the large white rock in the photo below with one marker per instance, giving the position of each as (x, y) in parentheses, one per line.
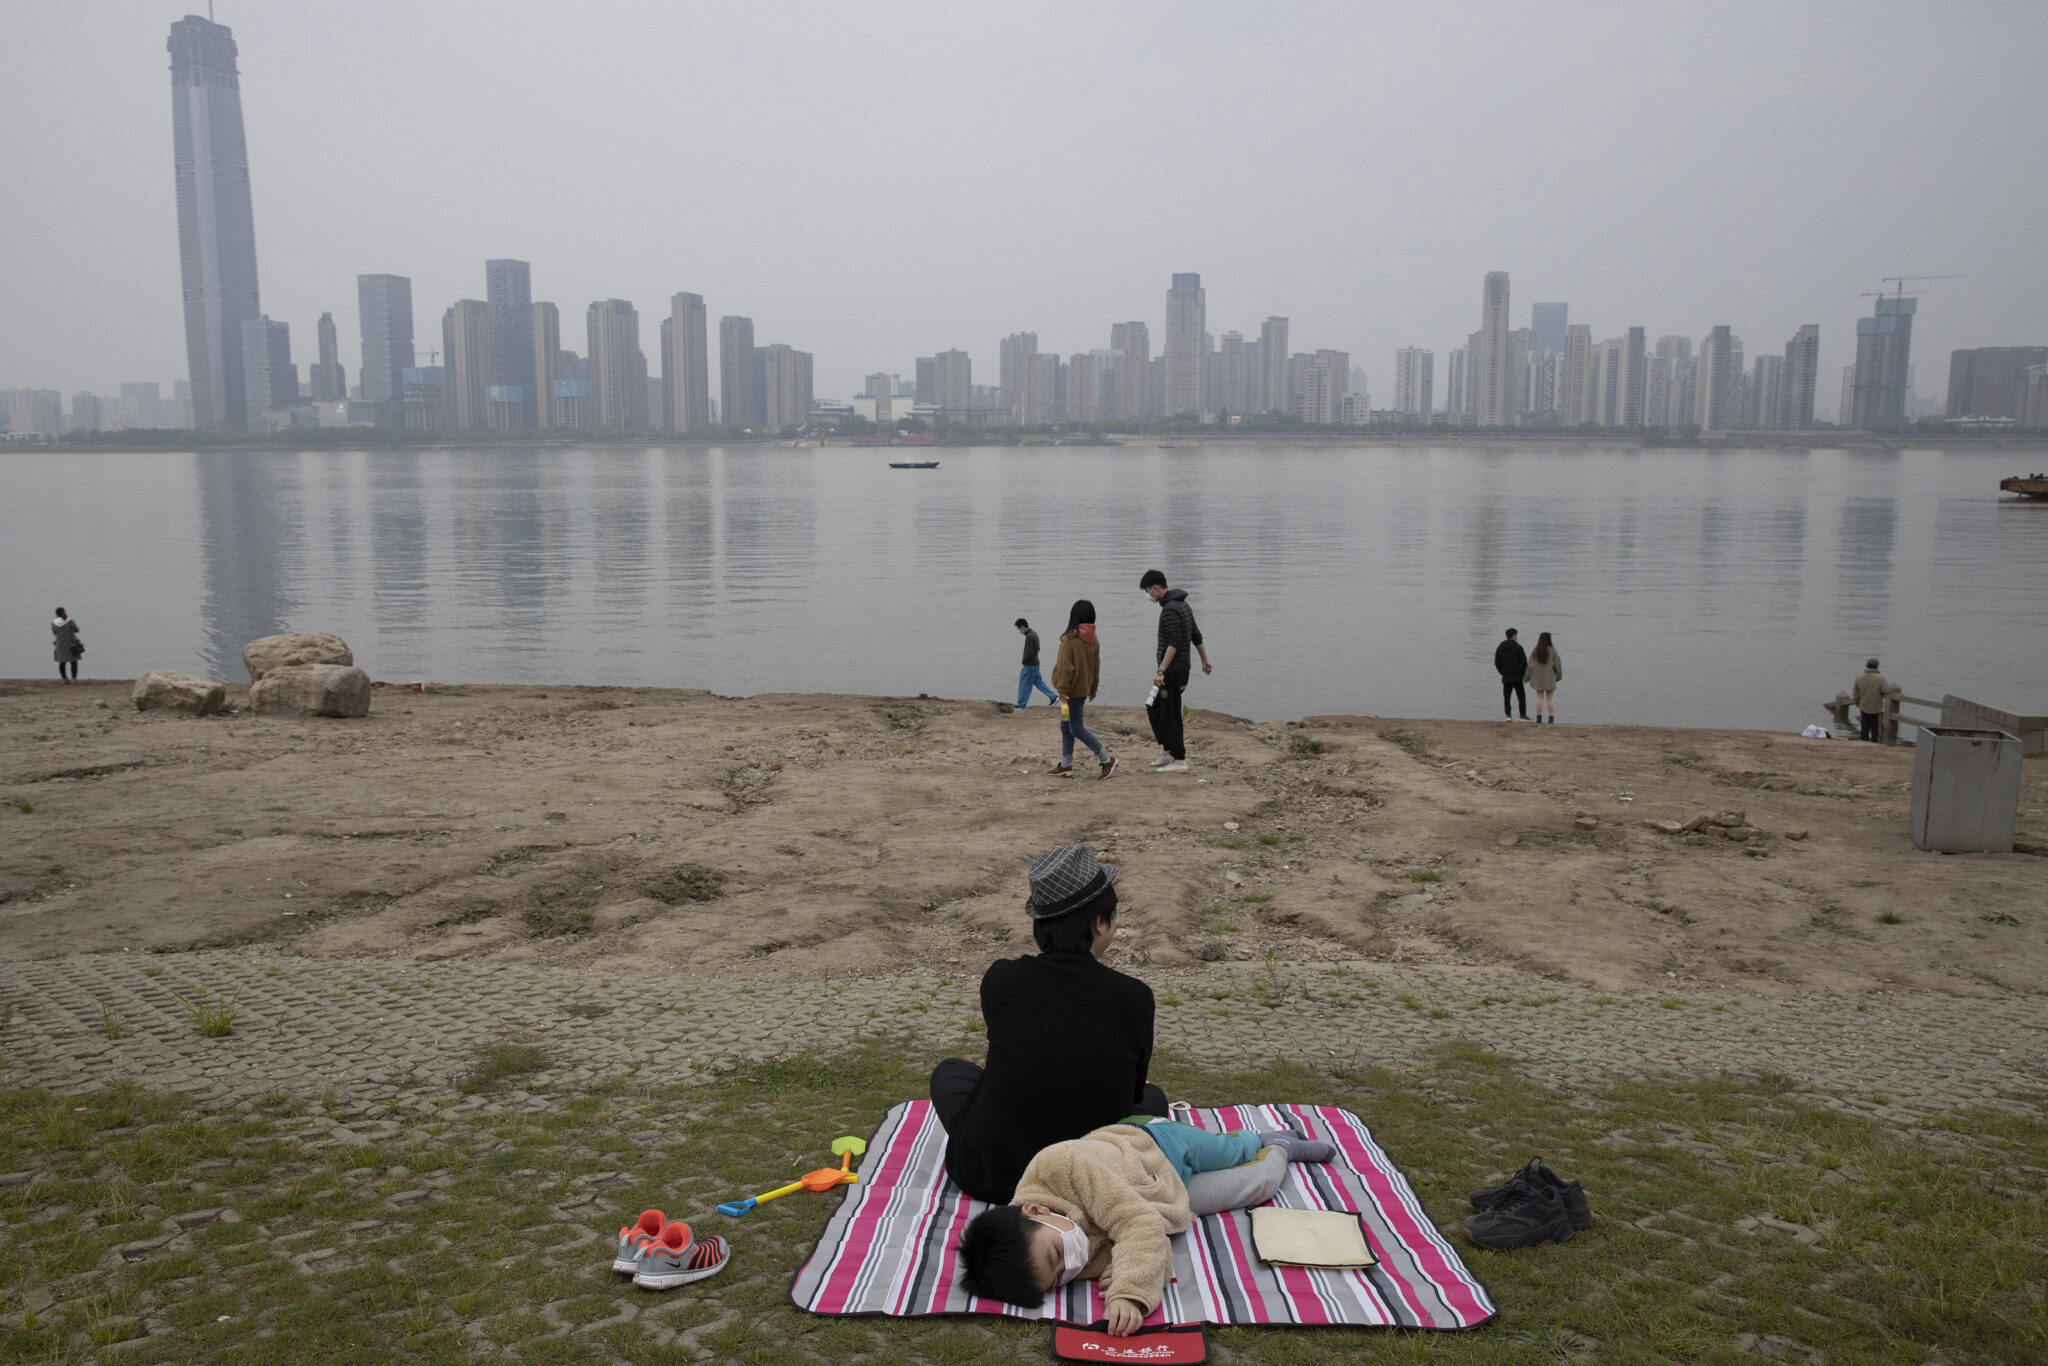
(278, 652)
(169, 690)
(312, 690)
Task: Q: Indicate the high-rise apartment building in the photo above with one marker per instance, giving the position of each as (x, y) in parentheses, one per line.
(1884, 356)
(1495, 375)
(547, 353)
(36, 410)
(1084, 388)
(1010, 360)
(508, 291)
(786, 387)
(270, 382)
(739, 395)
(384, 318)
(1547, 323)
(1133, 341)
(1038, 385)
(618, 367)
(216, 221)
(1801, 378)
(1766, 400)
(1325, 379)
(329, 380)
(953, 380)
(1575, 403)
(1454, 383)
(88, 412)
(1273, 393)
(1186, 343)
(466, 364)
(1413, 381)
(1634, 378)
(1718, 390)
(1604, 383)
(1991, 381)
(689, 378)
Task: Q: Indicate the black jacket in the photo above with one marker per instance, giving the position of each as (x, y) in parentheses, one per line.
(1511, 661)
(1069, 1043)
(1177, 628)
(1030, 647)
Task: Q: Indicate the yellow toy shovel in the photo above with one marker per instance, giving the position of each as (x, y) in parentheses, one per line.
(823, 1179)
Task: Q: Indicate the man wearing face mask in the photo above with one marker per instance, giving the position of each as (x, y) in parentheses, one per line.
(1069, 1039)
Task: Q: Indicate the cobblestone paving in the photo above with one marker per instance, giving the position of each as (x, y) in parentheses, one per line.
(372, 1031)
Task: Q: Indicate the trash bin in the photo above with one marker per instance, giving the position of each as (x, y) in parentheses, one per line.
(1966, 790)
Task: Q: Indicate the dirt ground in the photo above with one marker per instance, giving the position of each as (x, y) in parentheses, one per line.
(815, 837)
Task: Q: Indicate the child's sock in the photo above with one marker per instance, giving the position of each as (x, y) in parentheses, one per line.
(1299, 1149)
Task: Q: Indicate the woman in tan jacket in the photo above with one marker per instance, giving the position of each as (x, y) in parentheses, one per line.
(1076, 676)
(1546, 671)
(1106, 1205)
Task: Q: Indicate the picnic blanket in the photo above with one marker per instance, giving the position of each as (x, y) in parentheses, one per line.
(890, 1247)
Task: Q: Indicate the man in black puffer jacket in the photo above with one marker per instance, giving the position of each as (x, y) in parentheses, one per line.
(1511, 662)
(1177, 634)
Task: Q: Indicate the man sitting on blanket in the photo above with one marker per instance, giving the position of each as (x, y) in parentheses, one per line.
(1069, 1039)
(1105, 1206)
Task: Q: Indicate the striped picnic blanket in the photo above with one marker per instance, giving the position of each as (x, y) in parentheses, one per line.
(890, 1247)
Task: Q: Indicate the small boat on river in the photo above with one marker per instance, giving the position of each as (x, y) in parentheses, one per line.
(2032, 486)
(913, 464)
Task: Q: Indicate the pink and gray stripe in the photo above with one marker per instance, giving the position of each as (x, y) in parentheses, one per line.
(889, 1248)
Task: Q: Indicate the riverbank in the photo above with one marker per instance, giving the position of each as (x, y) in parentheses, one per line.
(813, 838)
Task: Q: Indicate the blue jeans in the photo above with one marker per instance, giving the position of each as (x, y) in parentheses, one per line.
(1071, 730)
(1192, 1150)
(1027, 680)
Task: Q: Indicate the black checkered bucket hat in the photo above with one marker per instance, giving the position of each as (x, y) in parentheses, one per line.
(1065, 879)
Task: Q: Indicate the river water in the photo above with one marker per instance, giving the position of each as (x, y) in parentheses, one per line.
(1736, 588)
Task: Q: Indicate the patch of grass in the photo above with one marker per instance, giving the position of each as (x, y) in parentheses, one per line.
(110, 1023)
(1890, 918)
(1439, 1013)
(1999, 918)
(210, 1016)
(1673, 1003)
(1269, 840)
(25, 806)
(1301, 747)
(1223, 842)
(1424, 875)
(499, 1064)
(152, 972)
(1459, 810)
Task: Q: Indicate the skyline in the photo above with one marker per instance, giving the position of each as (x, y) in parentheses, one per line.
(876, 289)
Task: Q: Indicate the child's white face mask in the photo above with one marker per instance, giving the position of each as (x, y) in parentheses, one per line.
(1073, 1248)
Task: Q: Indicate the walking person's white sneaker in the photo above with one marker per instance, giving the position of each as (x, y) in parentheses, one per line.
(1161, 759)
(1173, 766)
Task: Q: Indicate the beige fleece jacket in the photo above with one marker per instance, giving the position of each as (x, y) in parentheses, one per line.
(1125, 1196)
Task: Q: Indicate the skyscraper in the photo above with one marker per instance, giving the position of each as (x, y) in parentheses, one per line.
(216, 223)
(547, 352)
(1634, 378)
(689, 376)
(786, 386)
(1718, 389)
(508, 290)
(1010, 361)
(384, 318)
(953, 379)
(1802, 376)
(1495, 381)
(1454, 384)
(1186, 309)
(1991, 381)
(738, 400)
(1604, 383)
(618, 367)
(1574, 403)
(1547, 323)
(466, 357)
(330, 381)
(270, 381)
(1273, 393)
(1767, 392)
(1884, 353)
(1133, 342)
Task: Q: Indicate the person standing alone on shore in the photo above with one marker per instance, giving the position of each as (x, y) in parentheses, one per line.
(68, 646)
(1546, 671)
(1030, 677)
(1511, 662)
(1869, 694)
(1177, 634)
(1076, 676)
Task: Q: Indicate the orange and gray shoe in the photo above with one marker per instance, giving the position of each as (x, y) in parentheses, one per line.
(635, 1238)
(674, 1260)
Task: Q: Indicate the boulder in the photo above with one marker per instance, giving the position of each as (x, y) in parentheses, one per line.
(279, 652)
(169, 690)
(312, 690)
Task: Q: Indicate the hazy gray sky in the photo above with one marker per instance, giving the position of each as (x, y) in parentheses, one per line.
(873, 182)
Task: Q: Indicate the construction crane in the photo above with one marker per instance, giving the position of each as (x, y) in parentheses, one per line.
(1900, 281)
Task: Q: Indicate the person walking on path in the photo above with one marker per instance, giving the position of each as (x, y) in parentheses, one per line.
(1177, 633)
(1869, 693)
(68, 646)
(1030, 678)
(1069, 1038)
(1546, 671)
(1076, 676)
(1511, 662)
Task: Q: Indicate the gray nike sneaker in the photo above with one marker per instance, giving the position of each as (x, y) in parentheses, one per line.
(673, 1261)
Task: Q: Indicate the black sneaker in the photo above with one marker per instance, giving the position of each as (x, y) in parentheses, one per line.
(1538, 1175)
(1531, 1215)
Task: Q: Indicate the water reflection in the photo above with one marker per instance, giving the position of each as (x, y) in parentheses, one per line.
(247, 517)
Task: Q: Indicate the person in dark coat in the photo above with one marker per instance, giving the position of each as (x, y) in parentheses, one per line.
(68, 647)
(1069, 1040)
(1177, 633)
(1511, 662)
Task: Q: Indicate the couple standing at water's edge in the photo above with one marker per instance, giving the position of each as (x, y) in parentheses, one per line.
(1522, 672)
(1077, 676)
